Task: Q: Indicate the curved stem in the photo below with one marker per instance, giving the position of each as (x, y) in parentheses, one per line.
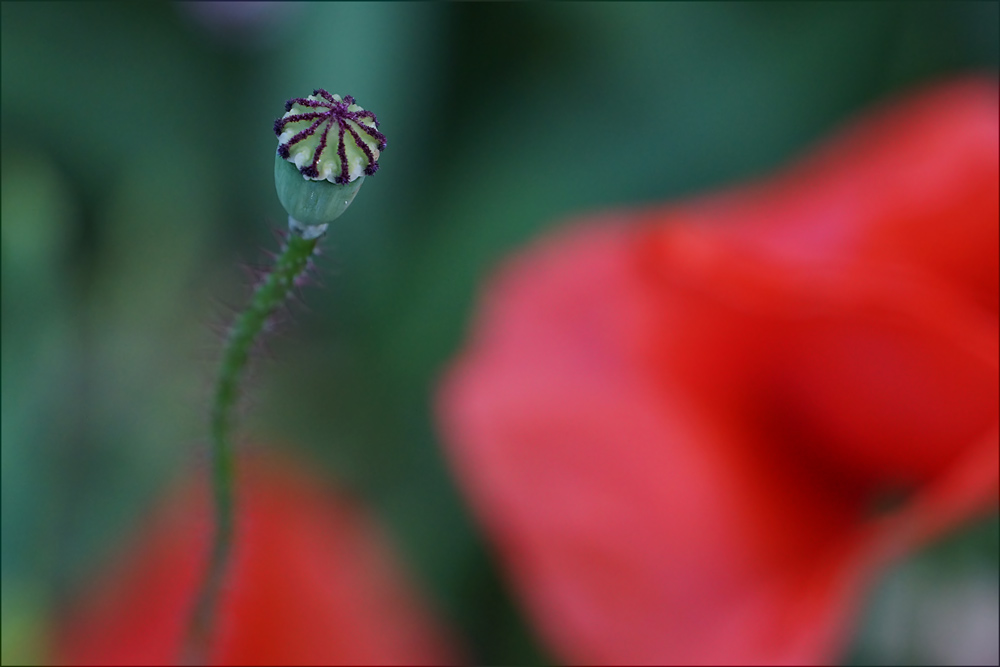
(271, 293)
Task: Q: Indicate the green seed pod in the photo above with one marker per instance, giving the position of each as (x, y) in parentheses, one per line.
(326, 147)
(311, 202)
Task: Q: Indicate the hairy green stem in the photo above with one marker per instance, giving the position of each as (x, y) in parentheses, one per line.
(271, 293)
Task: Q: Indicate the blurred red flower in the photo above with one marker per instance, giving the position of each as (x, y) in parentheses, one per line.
(311, 582)
(694, 432)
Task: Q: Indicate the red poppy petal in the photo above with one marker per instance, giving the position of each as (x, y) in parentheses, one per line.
(312, 582)
(913, 187)
(876, 261)
(882, 375)
(639, 531)
(675, 423)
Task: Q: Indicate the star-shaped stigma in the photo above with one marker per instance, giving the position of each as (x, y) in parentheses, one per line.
(326, 111)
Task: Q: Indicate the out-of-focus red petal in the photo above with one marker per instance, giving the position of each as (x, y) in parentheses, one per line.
(312, 582)
(875, 265)
(878, 374)
(638, 529)
(911, 187)
(679, 424)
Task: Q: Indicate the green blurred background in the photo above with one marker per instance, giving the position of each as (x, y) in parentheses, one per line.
(137, 176)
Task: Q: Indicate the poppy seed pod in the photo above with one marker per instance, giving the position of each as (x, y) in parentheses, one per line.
(326, 147)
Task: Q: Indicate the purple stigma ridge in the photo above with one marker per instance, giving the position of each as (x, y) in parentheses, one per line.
(342, 152)
(328, 96)
(313, 171)
(279, 125)
(367, 129)
(300, 136)
(302, 101)
(364, 113)
(361, 144)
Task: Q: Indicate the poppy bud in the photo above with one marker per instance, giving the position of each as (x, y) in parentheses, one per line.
(326, 147)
